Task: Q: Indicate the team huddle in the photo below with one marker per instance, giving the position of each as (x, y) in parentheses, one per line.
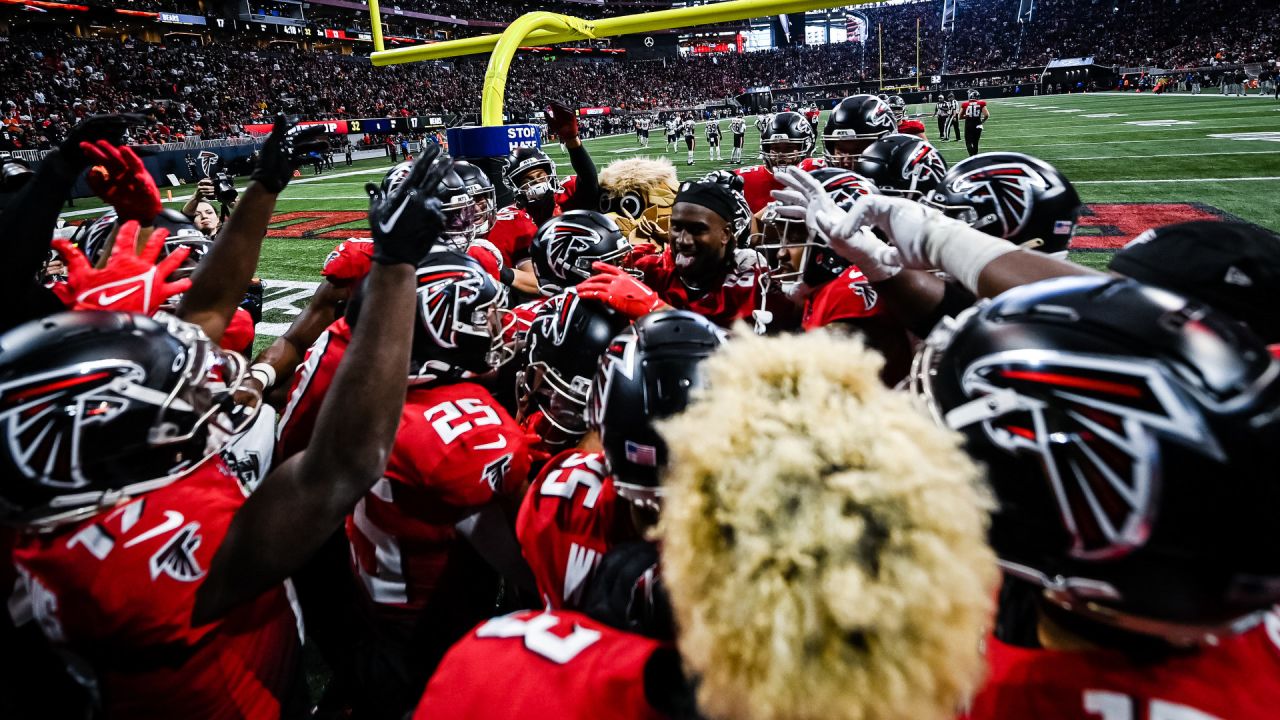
(841, 434)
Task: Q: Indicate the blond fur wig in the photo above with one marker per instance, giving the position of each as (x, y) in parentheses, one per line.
(824, 543)
(653, 184)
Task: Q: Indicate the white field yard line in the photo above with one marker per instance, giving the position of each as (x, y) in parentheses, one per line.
(1180, 109)
(1115, 126)
(1162, 155)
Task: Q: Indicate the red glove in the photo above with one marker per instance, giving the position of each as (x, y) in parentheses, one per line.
(561, 120)
(118, 177)
(129, 282)
(620, 291)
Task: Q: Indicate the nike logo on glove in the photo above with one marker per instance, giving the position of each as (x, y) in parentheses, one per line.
(389, 224)
(106, 299)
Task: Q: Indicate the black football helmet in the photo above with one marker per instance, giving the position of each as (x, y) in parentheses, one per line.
(852, 125)
(902, 165)
(565, 247)
(1127, 435)
(483, 195)
(974, 95)
(463, 326)
(787, 139)
(899, 107)
(1011, 195)
(527, 190)
(461, 220)
(96, 407)
(396, 176)
(647, 373)
(92, 238)
(561, 352)
(818, 263)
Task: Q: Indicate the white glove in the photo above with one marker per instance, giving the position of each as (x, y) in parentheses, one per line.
(922, 238)
(804, 199)
(877, 260)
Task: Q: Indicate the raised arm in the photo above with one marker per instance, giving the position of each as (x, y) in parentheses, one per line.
(304, 500)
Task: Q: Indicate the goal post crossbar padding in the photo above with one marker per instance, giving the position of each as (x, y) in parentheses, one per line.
(545, 28)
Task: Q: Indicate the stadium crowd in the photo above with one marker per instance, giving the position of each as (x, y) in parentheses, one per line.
(50, 79)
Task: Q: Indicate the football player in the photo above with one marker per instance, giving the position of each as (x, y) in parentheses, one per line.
(786, 139)
(713, 140)
(704, 268)
(979, 196)
(833, 291)
(570, 516)
(672, 126)
(689, 130)
(898, 106)
(738, 128)
(140, 554)
(975, 114)
(431, 536)
(1133, 588)
(540, 193)
(467, 198)
(853, 124)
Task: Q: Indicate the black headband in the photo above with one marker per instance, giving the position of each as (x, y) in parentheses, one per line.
(712, 196)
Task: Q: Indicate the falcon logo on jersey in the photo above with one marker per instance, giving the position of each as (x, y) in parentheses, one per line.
(1095, 424)
(442, 293)
(177, 558)
(41, 417)
(1003, 195)
(495, 473)
(866, 291)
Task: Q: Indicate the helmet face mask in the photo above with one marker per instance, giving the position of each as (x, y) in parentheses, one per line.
(464, 327)
(531, 175)
(853, 124)
(817, 263)
(787, 139)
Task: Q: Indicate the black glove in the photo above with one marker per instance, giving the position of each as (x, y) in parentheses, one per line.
(728, 178)
(92, 129)
(285, 150)
(561, 120)
(407, 222)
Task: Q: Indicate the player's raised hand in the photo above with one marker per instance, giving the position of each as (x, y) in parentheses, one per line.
(111, 128)
(284, 151)
(130, 282)
(407, 222)
(119, 178)
(561, 120)
(804, 199)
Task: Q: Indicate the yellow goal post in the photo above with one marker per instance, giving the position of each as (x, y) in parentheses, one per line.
(546, 28)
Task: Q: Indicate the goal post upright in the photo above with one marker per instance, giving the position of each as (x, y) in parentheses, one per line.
(545, 28)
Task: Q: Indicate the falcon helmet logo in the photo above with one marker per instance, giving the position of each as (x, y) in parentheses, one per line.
(881, 116)
(444, 292)
(553, 318)
(567, 243)
(618, 359)
(1006, 190)
(42, 417)
(847, 187)
(926, 164)
(1095, 424)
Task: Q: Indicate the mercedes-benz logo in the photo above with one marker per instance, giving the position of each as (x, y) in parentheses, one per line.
(648, 42)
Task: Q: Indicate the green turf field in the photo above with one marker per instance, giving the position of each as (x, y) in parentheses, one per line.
(1137, 160)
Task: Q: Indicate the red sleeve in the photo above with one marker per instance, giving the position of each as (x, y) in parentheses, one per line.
(512, 233)
(239, 333)
(569, 186)
(848, 297)
(489, 257)
(349, 262)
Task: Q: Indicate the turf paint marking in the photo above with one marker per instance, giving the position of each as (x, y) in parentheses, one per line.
(1159, 123)
(1101, 116)
(1263, 136)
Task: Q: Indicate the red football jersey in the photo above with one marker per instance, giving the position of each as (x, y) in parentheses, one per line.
(758, 182)
(240, 331)
(972, 109)
(513, 230)
(524, 314)
(456, 450)
(733, 298)
(310, 383)
(556, 664)
(489, 257)
(349, 262)
(567, 522)
(1238, 679)
(911, 127)
(848, 297)
(118, 589)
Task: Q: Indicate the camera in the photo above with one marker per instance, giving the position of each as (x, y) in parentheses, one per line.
(14, 173)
